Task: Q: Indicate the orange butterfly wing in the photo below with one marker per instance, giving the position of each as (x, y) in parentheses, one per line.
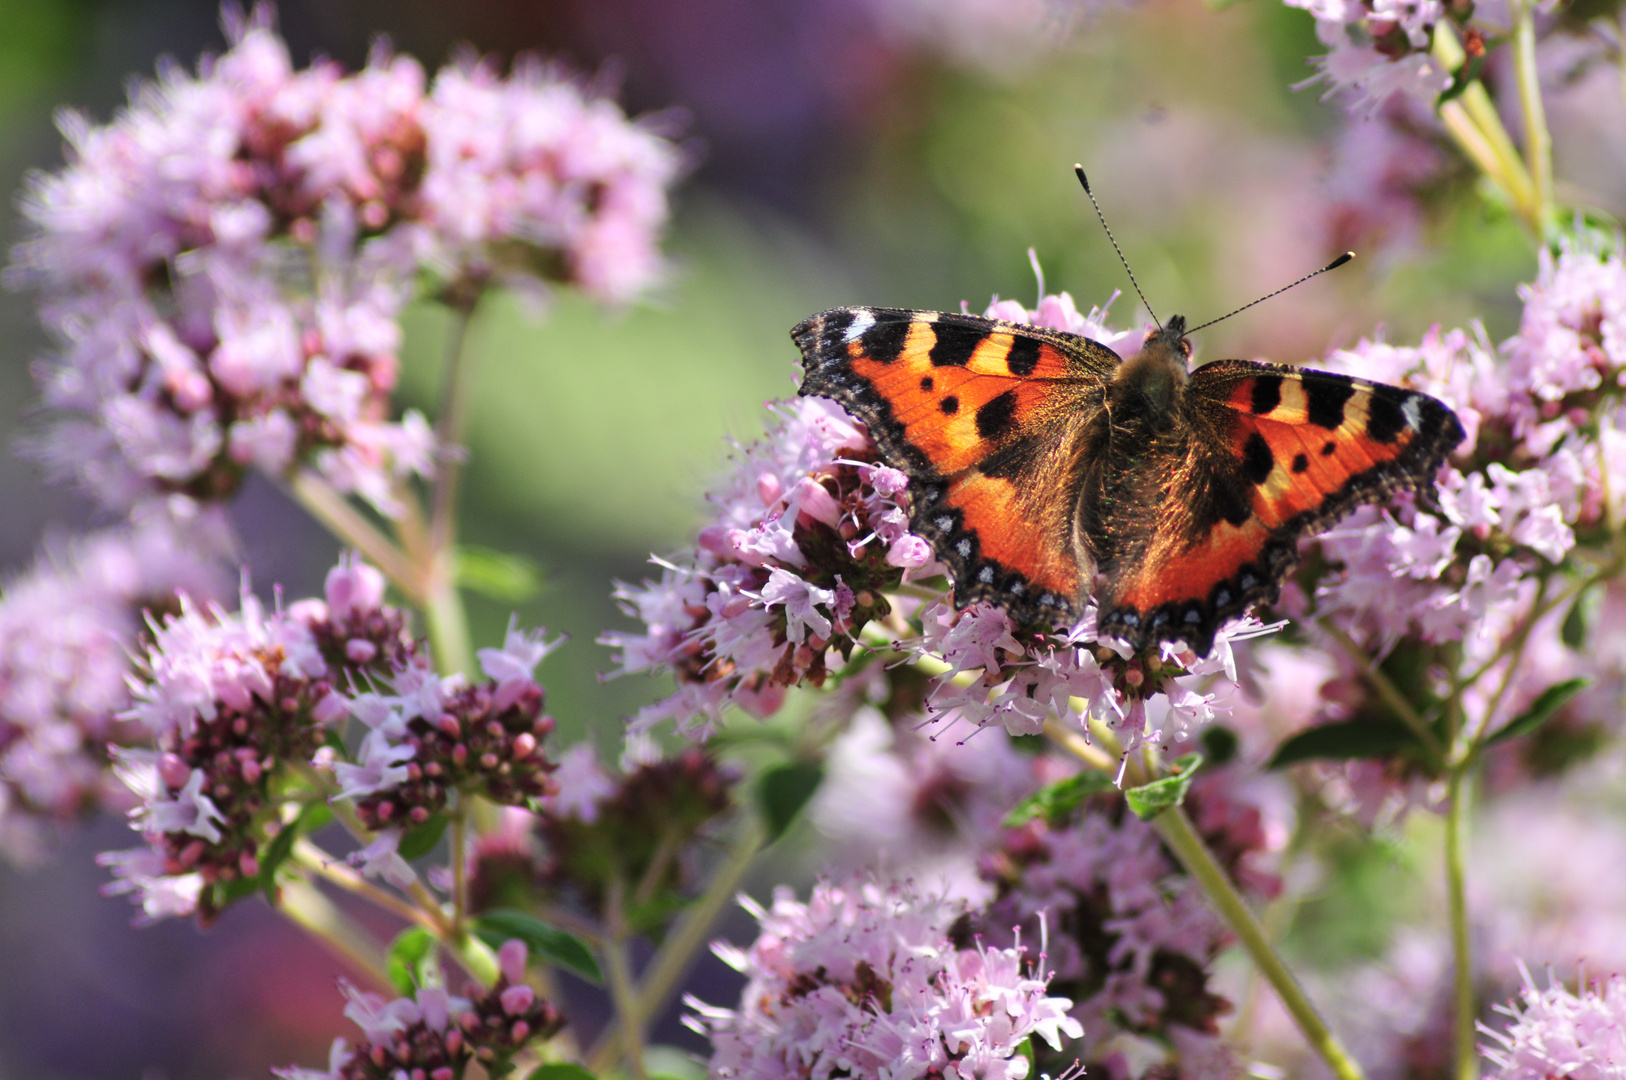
(1292, 451)
(983, 416)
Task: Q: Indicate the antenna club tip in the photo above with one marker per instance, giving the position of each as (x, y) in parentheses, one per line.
(1078, 170)
(1341, 260)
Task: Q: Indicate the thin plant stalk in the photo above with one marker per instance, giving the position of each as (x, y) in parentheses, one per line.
(687, 938)
(1477, 128)
(347, 523)
(446, 618)
(456, 382)
(1465, 1055)
(618, 971)
(306, 905)
(1177, 832)
(460, 867)
(318, 862)
(1538, 141)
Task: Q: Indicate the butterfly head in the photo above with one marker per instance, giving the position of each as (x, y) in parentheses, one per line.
(1172, 337)
(1151, 382)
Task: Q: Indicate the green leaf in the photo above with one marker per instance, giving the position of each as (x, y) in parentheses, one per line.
(412, 950)
(312, 817)
(1543, 709)
(560, 1070)
(1053, 802)
(1026, 1050)
(1220, 744)
(783, 790)
(548, 943)
(229, 892)
(1343, 740)
(1580, 617)
(1150, 800)
(666, 1062)
(1462, 79)
(421, 840)
(512, 579)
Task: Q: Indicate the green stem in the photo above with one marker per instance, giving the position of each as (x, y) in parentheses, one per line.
(1175, 829)
(349, 525)
(305, 904)
(316, 861)
(1476, 126)
(460, 868)
(455, 384)
(448, 621)
(1467, 1060)
(628, 1008)
(1538, 141)
(1386, 689)
(672, 962)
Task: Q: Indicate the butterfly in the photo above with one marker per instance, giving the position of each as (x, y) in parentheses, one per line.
(1045, 470)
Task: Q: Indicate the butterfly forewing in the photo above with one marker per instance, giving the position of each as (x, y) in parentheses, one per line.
(981, 415)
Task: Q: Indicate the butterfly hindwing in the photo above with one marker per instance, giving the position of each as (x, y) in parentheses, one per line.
(974, 410)
(1275, 454)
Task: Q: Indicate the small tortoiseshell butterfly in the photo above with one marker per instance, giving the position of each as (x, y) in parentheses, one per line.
(1044, 469)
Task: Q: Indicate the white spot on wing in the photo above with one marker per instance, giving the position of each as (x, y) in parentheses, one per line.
(861, 322)
(1412, 410)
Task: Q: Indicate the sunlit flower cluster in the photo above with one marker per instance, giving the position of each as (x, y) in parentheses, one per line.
(808, 536)
(432, 735)
(868, 979)
(230, 701)
(1476, 567)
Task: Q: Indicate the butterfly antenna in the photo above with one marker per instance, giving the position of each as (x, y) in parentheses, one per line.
(1082, 179)
(1335, 264)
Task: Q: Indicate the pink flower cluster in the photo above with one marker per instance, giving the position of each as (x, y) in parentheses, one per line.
(1535, 474)
(866, 979)
(809, 535)
(1554, 1032)
(532, 169)
(1379, 48)
(434, 735)
(436, 1036)
(1131, 939)
(67, 629)
(229, 700)
(224, 265)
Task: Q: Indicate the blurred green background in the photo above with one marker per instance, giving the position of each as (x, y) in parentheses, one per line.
(842, 155)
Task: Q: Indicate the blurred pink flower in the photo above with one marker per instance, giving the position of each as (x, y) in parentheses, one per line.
(1131, 937)
(536, 159)
(67, 629)
(224, 265)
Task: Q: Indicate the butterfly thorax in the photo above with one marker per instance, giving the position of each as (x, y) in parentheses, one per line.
(1132, 449)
